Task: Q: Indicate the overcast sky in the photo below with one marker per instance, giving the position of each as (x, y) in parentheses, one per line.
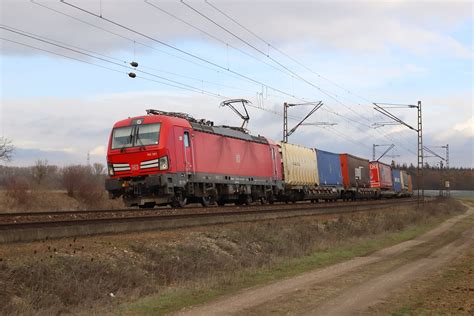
(60, 104)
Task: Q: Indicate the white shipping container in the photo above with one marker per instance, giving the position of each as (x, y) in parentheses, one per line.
(300, 166)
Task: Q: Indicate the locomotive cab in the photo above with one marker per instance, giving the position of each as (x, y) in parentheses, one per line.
(145, 163)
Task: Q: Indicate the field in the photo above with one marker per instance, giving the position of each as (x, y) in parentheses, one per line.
(160, 272)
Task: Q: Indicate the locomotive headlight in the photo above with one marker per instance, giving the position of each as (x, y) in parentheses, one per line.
(163, 163)
(111, 170)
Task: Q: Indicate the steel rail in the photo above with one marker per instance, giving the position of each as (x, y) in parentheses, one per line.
(32, 231)
(185, 209)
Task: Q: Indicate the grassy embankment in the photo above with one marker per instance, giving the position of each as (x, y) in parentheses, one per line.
(163, 272)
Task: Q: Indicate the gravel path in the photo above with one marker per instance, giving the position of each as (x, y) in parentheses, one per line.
(357, 288)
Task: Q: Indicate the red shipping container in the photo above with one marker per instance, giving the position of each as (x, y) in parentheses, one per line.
(380, 175)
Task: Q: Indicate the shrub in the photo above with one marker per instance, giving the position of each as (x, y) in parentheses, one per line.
(18, 190)
(75, 177)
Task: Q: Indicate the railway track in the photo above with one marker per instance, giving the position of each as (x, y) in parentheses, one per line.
(17, 227)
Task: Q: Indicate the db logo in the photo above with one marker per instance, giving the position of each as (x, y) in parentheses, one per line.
(134, 167)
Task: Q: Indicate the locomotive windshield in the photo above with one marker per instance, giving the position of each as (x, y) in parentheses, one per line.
(136, 135)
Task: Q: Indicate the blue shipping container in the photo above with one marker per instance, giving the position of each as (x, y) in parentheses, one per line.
(397, 182)
(329, 168)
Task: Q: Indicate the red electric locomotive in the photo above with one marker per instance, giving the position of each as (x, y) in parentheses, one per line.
(171, 158)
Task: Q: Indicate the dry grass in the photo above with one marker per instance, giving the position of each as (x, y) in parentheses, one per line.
(61, 284)
(56, 200)
(72, 282)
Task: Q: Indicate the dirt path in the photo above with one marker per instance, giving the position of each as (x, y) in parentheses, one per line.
(353, 286)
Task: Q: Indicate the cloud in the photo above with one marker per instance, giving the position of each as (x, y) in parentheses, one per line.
(99, 151)
(358, 26)
(50, 131)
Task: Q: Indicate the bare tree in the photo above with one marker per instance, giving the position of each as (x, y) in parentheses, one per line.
(6, 149)
(98, 169)
(40, 170)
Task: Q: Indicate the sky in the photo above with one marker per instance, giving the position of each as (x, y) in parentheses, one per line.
(64, 78)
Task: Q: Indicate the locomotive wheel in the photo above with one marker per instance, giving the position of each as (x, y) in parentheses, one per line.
(220, 202)
(248, 200)
(179, 202)
(205, 201)
(263, 200)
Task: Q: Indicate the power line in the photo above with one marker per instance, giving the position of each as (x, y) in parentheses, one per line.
(285, 54)
(285, 67)
(97, 65)
(325, 92)
(190, 54)
(212, 36)
(183, 51)
(175, 83)
(119, 35)
(216, 38)
(62, 55)
(126, 62)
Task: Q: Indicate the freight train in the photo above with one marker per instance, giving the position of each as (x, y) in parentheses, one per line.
(171, 158)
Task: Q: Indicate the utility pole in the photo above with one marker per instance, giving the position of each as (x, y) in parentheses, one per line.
(286, 132)
(382, 108)
(285, 122)
(446, 184)
(419, 169)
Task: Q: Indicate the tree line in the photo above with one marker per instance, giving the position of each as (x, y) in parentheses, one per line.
(434, 177)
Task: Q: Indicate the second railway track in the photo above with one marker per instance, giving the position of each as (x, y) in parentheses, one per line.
(41, 226)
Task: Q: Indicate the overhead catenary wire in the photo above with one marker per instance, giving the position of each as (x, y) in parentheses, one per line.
(202, 59)
(126, 62)
(296, 75)
(207, 33)
(120, 35)
(216, 38)
(286, 54)
(89, 63)
(213, 36)
(175, 83)
(121, 72)
(285, 67)
(192, 55)
(183, 51)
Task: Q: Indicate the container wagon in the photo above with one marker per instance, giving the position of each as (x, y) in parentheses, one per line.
(404, 181)
(330, 174)
(381, 179)
(397, 182)
(356, 178)
(300, 172)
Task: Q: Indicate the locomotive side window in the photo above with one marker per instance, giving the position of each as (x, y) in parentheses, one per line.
(186, 140)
